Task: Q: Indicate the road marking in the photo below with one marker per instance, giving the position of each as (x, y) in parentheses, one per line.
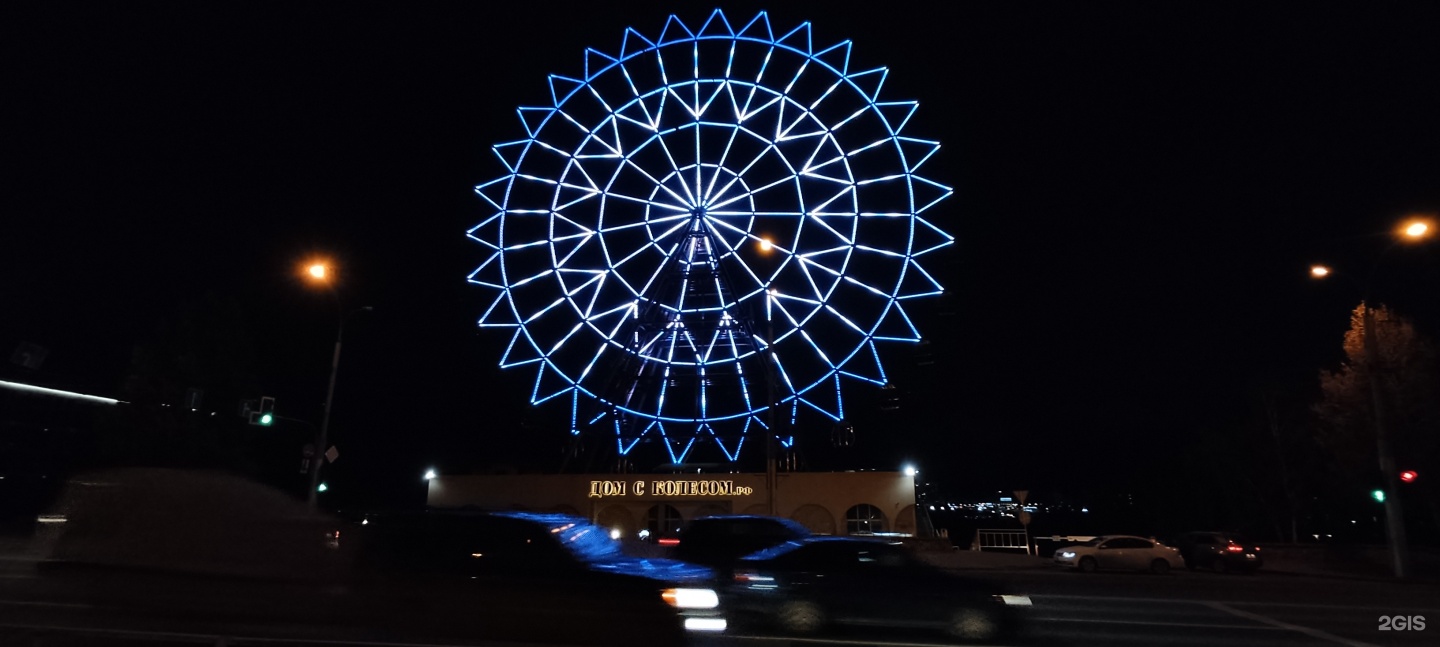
(58, 605)
(227, 639)
(1347, 607)
(1313, 633)
(841, 641)
(1390, 610)
(1154, 623)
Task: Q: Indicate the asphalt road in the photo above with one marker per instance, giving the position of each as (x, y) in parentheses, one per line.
(1069, 609)
(1183, 608)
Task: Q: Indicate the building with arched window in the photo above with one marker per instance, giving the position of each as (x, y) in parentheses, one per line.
(852, 503)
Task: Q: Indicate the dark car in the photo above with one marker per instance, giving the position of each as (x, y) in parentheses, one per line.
(516, 575)
(720, 540)
(808, 585)
(1219, 551)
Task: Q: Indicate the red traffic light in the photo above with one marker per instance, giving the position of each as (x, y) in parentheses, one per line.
(1408, 476)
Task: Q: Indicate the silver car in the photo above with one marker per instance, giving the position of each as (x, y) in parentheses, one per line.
(1120, 552)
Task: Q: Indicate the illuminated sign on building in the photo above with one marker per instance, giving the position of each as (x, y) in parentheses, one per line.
(601, 489)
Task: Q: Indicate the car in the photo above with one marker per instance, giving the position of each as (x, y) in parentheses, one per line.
(1120, 552)
(537, 576)
(807, 585)
(1219, 551)
(718, 541)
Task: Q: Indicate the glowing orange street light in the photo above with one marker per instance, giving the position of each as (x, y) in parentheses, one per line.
(317, 271)
(765, 244)
(1319, 271)
(1416, 229)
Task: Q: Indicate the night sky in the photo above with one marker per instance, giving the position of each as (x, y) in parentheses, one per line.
(1139, 190)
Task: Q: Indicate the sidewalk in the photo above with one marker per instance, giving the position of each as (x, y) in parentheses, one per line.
(969, 560)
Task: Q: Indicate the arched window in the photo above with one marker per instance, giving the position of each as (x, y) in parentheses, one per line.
(864, 519)
(663, 520)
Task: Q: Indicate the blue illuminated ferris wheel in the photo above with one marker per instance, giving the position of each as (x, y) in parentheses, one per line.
(706, 228)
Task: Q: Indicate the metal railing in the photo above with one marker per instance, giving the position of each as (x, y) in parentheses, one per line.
(1003, 539)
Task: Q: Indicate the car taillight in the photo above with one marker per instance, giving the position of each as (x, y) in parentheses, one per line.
(1235, 548)
(669, 541)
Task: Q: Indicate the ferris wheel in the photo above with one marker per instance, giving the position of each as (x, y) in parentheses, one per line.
(705, 231)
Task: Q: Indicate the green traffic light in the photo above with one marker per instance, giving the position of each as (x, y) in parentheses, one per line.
(267, 419)
(1379, 495)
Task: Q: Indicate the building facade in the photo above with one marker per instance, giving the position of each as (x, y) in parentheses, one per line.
(832, 503)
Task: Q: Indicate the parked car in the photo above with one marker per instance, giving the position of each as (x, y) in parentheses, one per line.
(806, 585)
(1220, 551)
(518, 575)
(1120, 552)
(720, 540)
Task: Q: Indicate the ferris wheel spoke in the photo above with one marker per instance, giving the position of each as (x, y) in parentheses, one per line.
(719, 165)
(659, 267)
(778, 148)
(755, 192)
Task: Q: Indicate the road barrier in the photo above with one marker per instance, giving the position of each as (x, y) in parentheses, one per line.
(1003, 539)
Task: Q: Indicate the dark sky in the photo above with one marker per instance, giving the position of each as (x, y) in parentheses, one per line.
(1139, 188)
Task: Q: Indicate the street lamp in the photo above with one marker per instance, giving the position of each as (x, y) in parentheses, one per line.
(1415, 229)
(914, 474)
(320, 273)
(770, 382)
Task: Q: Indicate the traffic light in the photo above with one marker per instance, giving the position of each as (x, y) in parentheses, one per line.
(1408, 476)
(1378, 495)
(266, 415)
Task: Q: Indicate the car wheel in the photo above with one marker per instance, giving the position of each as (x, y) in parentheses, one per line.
(801, 617)
(1088, 565)
(1159, 567)
(972, 624)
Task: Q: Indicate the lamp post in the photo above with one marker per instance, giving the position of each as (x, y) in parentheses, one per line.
(319, 272)
(914, 475)
(1413, 230)
(771, 377)
(771, 477)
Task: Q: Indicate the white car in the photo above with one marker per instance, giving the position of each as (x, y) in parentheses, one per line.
(1120, 552)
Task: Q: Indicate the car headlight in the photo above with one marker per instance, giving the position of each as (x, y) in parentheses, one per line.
(1067, 554)
(691, 598)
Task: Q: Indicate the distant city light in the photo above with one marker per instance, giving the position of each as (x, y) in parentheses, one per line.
(430, 474)
(1319, 271)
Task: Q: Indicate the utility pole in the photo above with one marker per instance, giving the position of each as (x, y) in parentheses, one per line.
(1394, 513)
